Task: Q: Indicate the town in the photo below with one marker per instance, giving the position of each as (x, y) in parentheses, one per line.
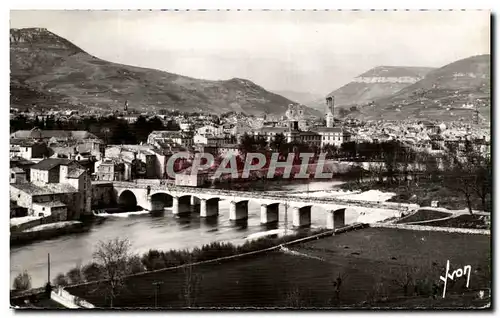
(138, 188)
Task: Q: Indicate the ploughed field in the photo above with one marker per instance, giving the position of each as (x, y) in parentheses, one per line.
(373, 264)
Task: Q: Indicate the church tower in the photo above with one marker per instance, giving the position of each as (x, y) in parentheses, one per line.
(329, 111)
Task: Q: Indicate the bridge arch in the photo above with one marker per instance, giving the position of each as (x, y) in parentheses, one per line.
(209, 207)
(127, 200)
(160, 201)
(269, 213)
(335, 218)
(302, 216)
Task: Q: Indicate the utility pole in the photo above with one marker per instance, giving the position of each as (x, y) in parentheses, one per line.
(48, 268)
(286, 217)
(157, 290)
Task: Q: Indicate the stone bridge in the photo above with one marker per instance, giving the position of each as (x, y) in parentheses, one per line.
(154, 197)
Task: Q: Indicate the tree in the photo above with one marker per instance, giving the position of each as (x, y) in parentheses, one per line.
(460, 177)
(61, 280)
(91, 272)
(75, 275)
(278, 143)
(22, 281)
(331, 150)
(191, 288)
(483, 181)
(113, 257)
(135, 265)
(348, 149)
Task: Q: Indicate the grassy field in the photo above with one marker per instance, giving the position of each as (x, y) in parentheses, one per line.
(370, 261)
(463, 221)
(424, 215)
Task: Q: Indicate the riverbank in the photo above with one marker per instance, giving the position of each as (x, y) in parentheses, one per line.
(47, 231)
(370, 262)
(422, 193)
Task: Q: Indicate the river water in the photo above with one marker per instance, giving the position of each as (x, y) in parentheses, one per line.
(153, 232)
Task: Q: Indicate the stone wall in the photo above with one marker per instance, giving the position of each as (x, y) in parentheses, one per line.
(102, 194)
(431, 228)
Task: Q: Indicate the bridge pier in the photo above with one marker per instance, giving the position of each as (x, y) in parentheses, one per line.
(181, 205)
(335, 219)
(238, 210)
(269, 213)
(155, 206)
(209, 207)
(194, 200)
(301, 217)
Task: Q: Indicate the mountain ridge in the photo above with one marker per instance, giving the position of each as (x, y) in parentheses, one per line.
(377, 82)
(50, 71)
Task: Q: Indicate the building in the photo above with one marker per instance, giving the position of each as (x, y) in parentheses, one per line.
(189, 180)
(316, 136)
(85, 141)
(18, 175)
(55, 181)
(213, 140)
(210, 130)
(159, 137)
(111, 170)
(28, 149)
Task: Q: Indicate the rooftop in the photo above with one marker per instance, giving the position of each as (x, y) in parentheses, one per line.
(49, 188)
(50, 163)
(58, 134)
(75, 172)
(51, 204)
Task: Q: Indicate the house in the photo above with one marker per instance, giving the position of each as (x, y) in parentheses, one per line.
(54, 208)
(53, 180)
(17, 211)
(28, 149)
(210, 130)
(18, 175)
(62, 138)
(212, 140)
(111, 170)
(156, 138)
(191, 180)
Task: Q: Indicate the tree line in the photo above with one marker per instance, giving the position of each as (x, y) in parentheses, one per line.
(112, 130)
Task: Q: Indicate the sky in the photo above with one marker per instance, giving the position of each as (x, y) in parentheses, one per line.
(301, 51)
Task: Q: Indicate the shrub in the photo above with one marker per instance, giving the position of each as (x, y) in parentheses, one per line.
(91, 272)
(22, 281)
(135, 265)
(153, 260)
(61, 280)
(75, 275)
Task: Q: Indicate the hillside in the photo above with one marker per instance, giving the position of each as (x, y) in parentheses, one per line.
(51, 72)
(448, 93)
(378, 82)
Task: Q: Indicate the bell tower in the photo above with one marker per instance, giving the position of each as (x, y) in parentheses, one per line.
(329, 111)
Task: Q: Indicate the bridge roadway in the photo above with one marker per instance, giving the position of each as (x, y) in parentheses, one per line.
(155, 197)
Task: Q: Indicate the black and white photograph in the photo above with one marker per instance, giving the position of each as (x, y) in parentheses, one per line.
(250, 159)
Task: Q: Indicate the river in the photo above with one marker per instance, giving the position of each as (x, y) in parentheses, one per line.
(152, 232)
